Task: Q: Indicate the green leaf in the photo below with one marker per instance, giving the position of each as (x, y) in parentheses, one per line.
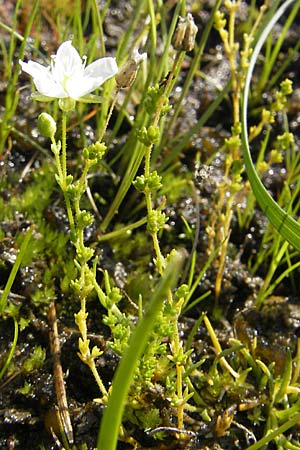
(41, 98)
(90, 98)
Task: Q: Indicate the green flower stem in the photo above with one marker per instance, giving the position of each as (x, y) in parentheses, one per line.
(70, 214)
(112, 106)
(92, 366)
(64, 147)
(176, 66)
(87, 357)
(193, 70)
(56, 150)
(86, 282)
(61, 166)
(110, 424)
(148, 198)
(176, 348)
(160, 260)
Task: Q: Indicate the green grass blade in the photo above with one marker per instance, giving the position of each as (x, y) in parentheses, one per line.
(282, 222)
(15, 268)
(112, 417)
(12, 349)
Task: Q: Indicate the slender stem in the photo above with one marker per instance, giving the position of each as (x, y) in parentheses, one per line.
(178, 57)
(179, 370)
(64, 146)
(97, 377)
(108, 118)
(62, 171)
(159, 256)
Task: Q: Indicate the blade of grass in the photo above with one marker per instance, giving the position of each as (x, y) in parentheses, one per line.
(15, 268)
(12, 349)
(282, 222)
(110, 426)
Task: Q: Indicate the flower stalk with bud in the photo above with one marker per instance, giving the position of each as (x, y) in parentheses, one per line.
(69, 80)
(156, 104)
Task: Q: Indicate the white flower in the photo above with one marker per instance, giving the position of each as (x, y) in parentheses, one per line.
(67, 76)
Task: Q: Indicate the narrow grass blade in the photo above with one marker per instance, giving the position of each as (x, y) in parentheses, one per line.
(14, 271)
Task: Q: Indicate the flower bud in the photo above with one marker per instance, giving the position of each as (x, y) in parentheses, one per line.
(185, 34)
(46, 125)
(94, 152)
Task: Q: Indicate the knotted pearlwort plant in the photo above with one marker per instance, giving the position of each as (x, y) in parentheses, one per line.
(68, 79)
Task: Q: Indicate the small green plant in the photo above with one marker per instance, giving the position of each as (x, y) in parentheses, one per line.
(62, 81)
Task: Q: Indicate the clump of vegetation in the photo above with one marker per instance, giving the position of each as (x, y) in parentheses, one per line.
(148, 225)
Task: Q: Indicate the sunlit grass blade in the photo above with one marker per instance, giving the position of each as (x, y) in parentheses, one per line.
(15, 268)
(283, 222)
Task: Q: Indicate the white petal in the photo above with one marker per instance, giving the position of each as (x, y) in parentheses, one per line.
(67, 62)
(49, 87)
(101, 70)
(76, 87)
(34, 69)
(43, 80)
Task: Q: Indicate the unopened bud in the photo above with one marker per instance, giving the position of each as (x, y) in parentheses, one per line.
(185, 34)
(46, 125)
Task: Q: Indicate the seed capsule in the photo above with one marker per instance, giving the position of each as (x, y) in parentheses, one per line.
(185, 34)
(127, 74)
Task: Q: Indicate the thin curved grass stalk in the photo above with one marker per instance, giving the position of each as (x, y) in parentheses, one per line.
(286, 225)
